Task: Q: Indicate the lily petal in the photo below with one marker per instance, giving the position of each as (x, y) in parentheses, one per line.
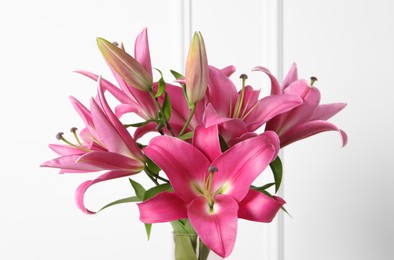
(308, 129)
(275, 86)
(269, 107)
(68, 164)
(326, 111)
(291, 76)
(228, 71)
(257, 206)
(164, 207)
(111, 161)
(242, 163)
(184, 165)
(221, 91)
(141, 51)
(216, 227)
(81, 190)
(207, 141)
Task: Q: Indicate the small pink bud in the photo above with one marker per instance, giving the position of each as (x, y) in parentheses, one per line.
(125, 65)
(196, 70)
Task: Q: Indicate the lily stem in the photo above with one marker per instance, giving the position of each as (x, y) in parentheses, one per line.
(155, 176)
(193, 109)
(161, 112)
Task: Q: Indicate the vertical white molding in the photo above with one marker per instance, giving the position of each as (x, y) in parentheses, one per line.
(181, 32)
(272, 12)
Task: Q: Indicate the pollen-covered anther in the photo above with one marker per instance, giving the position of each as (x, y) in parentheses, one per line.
(59, 136)
(213, 168)
(73, 129)
(116, 44)
(243, 76)
(313, 80)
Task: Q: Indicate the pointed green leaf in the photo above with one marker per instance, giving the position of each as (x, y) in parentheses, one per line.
(148, 229)
(167, 109)
(139, 190)
(161, 85)
(277, 170)
(177, 75)
(156, 190)
(152, 166)
(121, 201)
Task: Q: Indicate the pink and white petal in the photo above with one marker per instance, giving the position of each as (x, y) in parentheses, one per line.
(142, 130)
(228, 71)
(303, 112)
(257, 206)
(66, 149)
(275, 86)
(242, 163)
(232, 129)
(326, 111)
(68, 164)
(164, 207)
(83, 112)
(221, 91)
(241, 138)
(106, 131)
(185, 166)
(269, 107)
(141, 51)
(115, 91)
(308, 129)
(251, 97)
(291, 76)
(217, 227)
(131, 107)
(134, 150)
(81, 190)
(211, 117)
(111, 161)
(207, 141)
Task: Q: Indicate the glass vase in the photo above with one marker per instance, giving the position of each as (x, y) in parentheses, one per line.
(190, 247)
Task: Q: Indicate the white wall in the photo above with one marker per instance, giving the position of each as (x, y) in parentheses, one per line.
(340, 199)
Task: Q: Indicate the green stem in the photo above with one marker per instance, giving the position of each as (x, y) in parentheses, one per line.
(161, 112)
(154, 175)
(188, 120)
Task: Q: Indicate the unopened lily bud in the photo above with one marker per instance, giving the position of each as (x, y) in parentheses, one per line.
(125, 65)
(196, 70)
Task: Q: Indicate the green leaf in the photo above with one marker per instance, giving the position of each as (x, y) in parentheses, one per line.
(148, 229)
(277, 170)
(177, 75)
(156, 190)
(121, 201)
(186, 136)
(284, 209)
(140, 124)
(161, 86)
(152, 166)
(167, 109)
(139, 190)
(264, 187)
(223, 144)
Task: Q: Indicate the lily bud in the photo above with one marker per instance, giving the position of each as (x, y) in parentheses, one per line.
(125, 65)
(196, 70)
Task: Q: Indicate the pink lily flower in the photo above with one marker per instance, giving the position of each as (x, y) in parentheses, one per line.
(211, 188)
(131, 98)
(306, 120)
(113, 148)
(240, 113)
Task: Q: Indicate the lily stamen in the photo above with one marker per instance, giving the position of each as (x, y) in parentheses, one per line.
(240, 98)
(60, 136)
(313, 80)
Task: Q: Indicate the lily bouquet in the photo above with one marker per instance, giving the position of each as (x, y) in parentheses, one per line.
(212, 142)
